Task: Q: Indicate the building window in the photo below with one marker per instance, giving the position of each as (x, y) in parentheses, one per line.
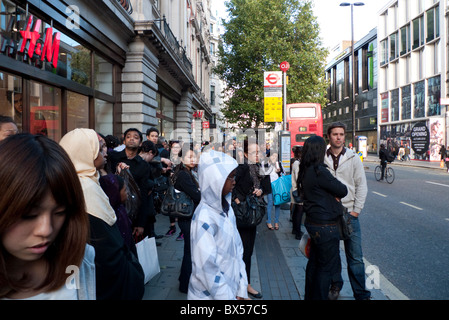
(45, 107)
(383, 52)
(384, 109)
(395, 105)
(340, 80)
(394, 52)
(418, 32)
(11, 97)
(406, 103)
(433, 96)
(103, 75)
(78, 111)
(103, 117)
(419, 99)
(212, 95)
(165, 113)
(433, 23)
(334, 84)
(405, 40)
(347, 79)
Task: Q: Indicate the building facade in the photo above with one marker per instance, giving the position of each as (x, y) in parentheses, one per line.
(216, 84)
(107, 65)
(339, 93)
(413, 80)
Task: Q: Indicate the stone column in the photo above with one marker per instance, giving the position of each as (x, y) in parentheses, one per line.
(184, 111)
(139, 87)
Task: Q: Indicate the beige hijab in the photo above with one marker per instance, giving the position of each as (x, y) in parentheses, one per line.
(83, 147)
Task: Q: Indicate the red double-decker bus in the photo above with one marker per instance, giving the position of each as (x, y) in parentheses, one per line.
(303, 121)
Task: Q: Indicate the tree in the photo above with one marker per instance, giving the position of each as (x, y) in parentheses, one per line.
(260, 34)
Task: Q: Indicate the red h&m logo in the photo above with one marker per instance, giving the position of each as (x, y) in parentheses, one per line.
(198, 114)
(31, 35)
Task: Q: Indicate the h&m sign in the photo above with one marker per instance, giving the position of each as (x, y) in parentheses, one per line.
(31, 44)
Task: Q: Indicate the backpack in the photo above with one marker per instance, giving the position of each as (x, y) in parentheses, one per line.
(390, 156)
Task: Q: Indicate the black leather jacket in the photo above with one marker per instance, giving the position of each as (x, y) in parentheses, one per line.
(321, 189)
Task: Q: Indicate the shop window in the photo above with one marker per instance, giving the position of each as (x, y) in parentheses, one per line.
(11, 97)
(104, 117)
(77, 111)
(78, 61)
(103, 75)
(433, 96)
(45, 110)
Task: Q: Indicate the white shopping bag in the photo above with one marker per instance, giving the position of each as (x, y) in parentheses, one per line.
(147, 255)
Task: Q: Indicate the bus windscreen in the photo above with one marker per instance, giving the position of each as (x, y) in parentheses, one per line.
(304, 112)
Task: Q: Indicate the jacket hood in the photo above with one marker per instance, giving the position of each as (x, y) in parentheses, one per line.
(213, 169)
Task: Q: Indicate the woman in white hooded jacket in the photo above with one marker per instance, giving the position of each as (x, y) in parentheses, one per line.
(218, 270)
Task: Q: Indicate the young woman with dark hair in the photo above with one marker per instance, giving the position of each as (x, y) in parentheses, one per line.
(187, 183)
(44, 226)
(248, 181)
(322, 193)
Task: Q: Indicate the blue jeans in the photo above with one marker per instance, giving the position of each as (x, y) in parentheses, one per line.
(277, 209)
(356, 266)
(324, 260)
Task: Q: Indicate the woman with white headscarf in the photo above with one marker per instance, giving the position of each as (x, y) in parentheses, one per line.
(118, 272)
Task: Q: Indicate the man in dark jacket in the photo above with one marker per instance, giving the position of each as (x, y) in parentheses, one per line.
(129, 158)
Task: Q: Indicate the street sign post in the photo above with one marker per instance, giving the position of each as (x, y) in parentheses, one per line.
(273, 96)
(284, 67)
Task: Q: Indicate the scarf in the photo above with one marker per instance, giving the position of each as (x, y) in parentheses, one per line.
(83, 147)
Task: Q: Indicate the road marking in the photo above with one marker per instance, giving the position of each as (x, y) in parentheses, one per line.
(412, 206)
(438, 184)
(380, 194)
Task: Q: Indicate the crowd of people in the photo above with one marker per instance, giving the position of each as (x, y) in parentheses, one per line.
(64, 205)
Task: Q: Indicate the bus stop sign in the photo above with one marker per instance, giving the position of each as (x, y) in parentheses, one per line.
(285, 66)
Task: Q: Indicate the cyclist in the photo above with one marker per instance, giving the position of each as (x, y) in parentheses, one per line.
(383, 159)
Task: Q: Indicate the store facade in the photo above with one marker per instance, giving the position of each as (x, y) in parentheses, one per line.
(59, 68)
(413, 60)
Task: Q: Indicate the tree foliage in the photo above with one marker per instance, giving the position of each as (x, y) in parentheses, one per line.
(260, 34)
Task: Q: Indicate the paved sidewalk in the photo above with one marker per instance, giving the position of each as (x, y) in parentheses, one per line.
(277, 270)
(278, 266)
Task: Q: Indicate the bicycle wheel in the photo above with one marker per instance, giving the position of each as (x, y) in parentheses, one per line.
(378, 173)
(389, 173)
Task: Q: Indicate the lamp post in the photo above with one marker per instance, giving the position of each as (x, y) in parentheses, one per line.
(357, 4)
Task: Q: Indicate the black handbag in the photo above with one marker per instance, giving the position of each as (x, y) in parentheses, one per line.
(296, 196)
(344, 224)
(249, 213)
(176, 204)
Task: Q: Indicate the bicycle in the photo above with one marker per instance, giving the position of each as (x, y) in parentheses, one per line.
(389, 173)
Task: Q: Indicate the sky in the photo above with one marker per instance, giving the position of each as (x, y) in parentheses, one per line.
(335, 21)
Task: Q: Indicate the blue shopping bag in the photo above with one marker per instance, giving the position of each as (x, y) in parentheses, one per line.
(281, 190)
